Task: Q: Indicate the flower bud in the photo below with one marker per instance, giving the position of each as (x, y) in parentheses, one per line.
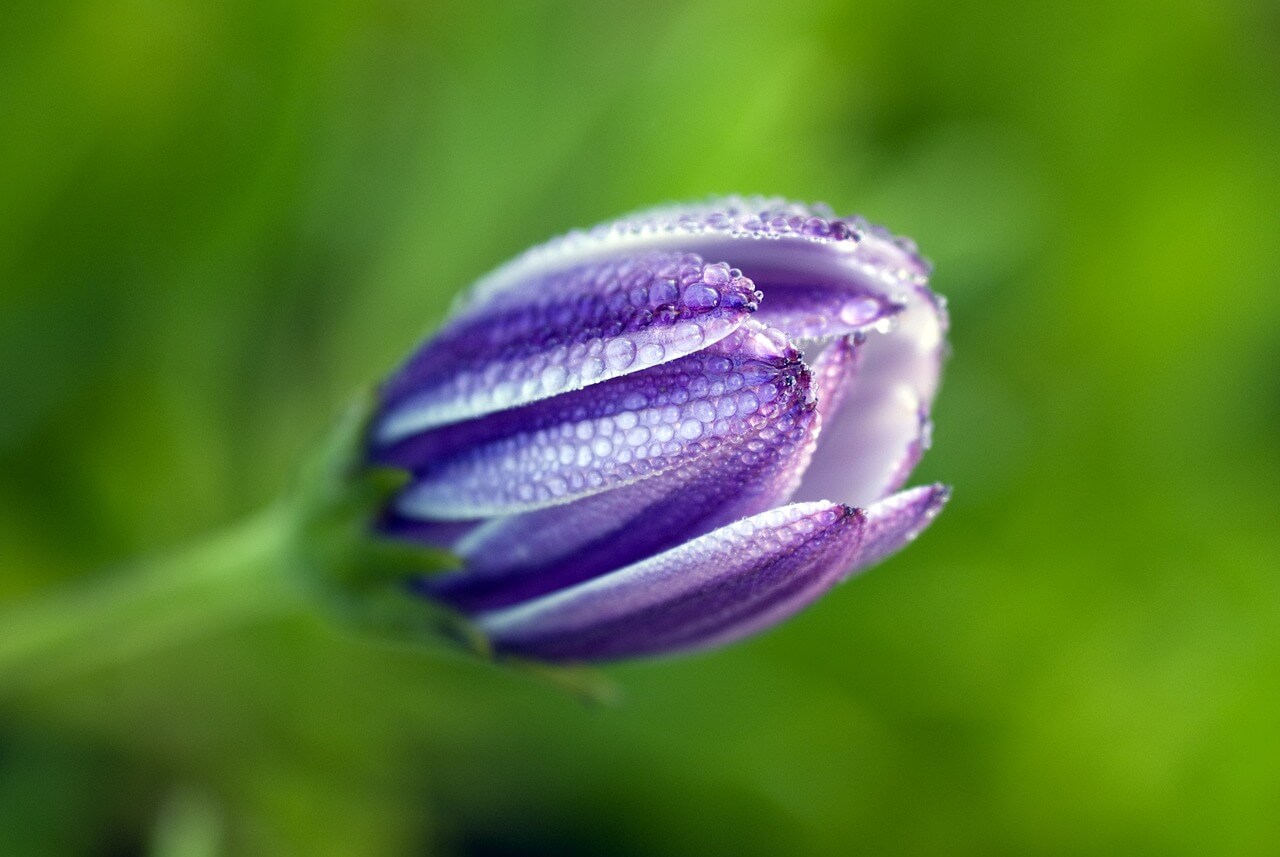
(668, 432)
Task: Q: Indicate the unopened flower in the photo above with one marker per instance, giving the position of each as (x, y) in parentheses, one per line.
(670, 431)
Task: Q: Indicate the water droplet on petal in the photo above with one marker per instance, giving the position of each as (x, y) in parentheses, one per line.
(637, 436)
(620, 354)
(716, 275)
(554, 377)
(690, 429)
(858, 312)
(699, 295)
(651, 353)
(686, 337)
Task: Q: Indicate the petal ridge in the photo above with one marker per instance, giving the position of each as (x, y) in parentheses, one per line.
(727, 584)
(561, 331)
(602, 437)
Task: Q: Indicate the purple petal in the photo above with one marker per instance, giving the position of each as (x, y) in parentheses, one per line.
(820, 275)
(725, 585)
(438, 534)
(895, 521)
(602, 437)
(519, 557)
(833, 371)
(733, 217)
(870, 446)
(554, 331)
(819, 304)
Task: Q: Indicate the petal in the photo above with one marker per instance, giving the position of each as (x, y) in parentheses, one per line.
(833, 371)
(602, 437)
(554, 331)
(725, 585)
(437, 534)
(820, 275)
(882, 426)
(518, 557)
(895, 521)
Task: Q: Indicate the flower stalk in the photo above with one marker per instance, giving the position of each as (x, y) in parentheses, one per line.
(310, 549)
(229, 579)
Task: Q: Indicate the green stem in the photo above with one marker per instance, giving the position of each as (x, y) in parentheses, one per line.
(221, 581)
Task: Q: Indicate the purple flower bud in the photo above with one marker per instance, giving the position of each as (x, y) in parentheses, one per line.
(670, 431)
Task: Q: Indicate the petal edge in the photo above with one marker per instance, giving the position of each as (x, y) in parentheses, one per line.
(725, 585)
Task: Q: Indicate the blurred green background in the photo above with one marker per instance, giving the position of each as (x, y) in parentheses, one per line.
(220, 220)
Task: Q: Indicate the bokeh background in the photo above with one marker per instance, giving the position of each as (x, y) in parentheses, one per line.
(218, 221)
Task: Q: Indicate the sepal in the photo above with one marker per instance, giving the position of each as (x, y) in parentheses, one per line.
(338, 556)
(367, 581)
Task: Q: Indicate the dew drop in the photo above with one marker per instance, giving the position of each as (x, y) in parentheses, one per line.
(503, 394)
(701, 296)
(716, 275)
(620, 354)
(554, 377)
(664, 291)
(651, 353)
(817, 227)
(686, 338)
(858, 312)
(702, 411)
(885, 325)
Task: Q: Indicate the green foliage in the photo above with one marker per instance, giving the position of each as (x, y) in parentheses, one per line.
(217, 220)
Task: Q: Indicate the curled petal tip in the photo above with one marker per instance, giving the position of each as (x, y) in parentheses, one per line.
(896, 521)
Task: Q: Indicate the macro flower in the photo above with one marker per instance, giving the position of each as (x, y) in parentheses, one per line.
(668, 432)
